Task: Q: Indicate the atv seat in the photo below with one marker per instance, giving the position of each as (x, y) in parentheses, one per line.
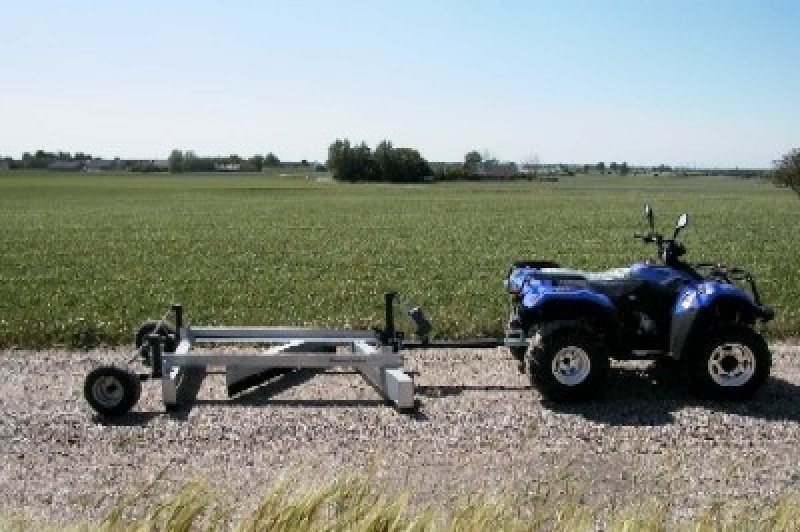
(614, 283)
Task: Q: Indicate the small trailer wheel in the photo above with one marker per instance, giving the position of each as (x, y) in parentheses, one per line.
(111, 390)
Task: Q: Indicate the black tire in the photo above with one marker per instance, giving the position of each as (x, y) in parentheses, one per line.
(731, 362)
(518, 352)
(514, 323)
(567, 364)
(161, 328)
(111, 390)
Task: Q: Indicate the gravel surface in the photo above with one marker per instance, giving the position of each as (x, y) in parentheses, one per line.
(479, 428)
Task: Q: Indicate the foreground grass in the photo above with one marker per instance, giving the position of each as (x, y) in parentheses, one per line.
(357, 504)
(86, 258)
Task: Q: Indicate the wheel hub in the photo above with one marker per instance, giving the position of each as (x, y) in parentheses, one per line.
(732, 364)
(571, 366)
(108, 391)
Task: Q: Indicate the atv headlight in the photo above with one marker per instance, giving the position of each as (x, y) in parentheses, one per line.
(689, 299)
(530, 300)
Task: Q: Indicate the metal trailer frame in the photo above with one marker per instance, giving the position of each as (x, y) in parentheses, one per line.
(295, 348)
(376, 354)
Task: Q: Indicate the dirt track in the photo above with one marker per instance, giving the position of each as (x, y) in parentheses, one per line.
(479, 428)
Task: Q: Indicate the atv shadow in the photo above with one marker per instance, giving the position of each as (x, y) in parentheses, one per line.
(651, 397)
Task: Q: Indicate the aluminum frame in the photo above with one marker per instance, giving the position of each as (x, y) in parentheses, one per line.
(292, 348)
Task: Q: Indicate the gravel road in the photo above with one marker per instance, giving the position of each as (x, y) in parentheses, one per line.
(479, 428)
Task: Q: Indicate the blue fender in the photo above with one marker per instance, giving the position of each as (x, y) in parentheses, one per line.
(700, 306)
(544, 301)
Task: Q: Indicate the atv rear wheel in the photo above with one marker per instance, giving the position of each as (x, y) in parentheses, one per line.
(732, 363)
(567, 363)
(518, 352)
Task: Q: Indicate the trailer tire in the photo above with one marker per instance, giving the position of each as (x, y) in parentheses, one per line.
(567, 363)
(112, 390)
(160, 328)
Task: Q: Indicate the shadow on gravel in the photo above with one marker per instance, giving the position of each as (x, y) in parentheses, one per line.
(651, 397)
(131, 419)
(447, 391)
(263, 394)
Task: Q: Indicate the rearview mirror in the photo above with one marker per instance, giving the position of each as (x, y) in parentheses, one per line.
(648, 213)
(683, 221)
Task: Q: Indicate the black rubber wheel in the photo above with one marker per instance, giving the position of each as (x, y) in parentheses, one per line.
(567, 364)
(518, 352)
(731, 362)
(161, 328)
(112, 390)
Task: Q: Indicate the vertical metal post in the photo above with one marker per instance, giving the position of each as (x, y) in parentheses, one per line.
(177, 309)
(388, 328)
(154, 341)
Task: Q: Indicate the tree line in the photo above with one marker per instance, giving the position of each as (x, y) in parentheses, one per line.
(386, 163)
(187, 161)
(40, 159)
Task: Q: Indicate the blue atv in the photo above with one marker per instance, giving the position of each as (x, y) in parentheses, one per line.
(565, 324)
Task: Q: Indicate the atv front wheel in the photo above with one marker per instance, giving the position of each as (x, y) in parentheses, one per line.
(732, 363)
(567, 364)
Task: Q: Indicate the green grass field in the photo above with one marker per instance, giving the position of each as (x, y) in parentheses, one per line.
(86, 258)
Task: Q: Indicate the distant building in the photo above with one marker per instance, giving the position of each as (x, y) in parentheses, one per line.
(4, 165)
(147, 164)
(66, 166)
(100, 165)
(495, 169)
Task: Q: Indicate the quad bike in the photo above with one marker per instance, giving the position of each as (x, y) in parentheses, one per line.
(699, 318)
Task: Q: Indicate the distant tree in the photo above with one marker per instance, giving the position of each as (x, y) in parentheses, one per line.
(787, 171)
(386, 163)
(304, 162)
(623, 169)
(472, 159)
(600, 167)
(175, 162)
(257, 161)
(585, 168)
(613, 167)
(189, 162)
(271, 160)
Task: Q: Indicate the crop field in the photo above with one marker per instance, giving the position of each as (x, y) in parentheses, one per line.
(86, 258)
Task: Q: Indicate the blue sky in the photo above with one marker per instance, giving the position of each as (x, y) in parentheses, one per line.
(681, 82)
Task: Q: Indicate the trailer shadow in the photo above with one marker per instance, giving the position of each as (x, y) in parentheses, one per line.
(652, 397)
(264, 394)
(436, 392)
(258, 396)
